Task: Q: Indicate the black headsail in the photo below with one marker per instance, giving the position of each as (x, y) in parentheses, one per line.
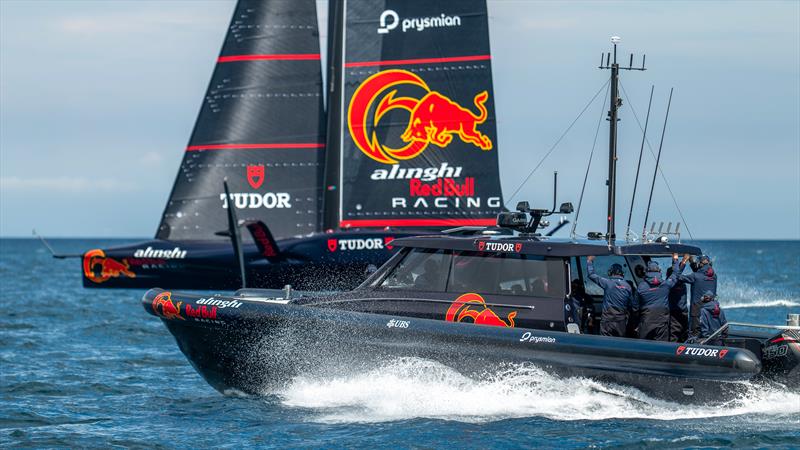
(412, 131)
(261, 125)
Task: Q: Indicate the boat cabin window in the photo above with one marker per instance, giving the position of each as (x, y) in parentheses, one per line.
(507, 274)
(485, 273)
(420, 270)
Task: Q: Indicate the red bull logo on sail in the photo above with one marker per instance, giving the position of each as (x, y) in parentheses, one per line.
(434, 118)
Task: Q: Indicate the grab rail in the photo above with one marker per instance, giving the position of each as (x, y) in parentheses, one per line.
(751, 325)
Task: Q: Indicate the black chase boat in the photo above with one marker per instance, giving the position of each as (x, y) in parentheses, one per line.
(407, 146)
(474, 299)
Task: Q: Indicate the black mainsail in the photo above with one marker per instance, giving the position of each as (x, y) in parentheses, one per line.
(261, 126)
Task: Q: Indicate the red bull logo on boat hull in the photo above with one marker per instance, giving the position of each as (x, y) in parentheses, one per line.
(98, 268)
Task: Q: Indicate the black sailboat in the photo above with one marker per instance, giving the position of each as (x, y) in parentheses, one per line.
(408, 146)
(476, 299)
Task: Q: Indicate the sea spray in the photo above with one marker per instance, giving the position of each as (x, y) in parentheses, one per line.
(408, 388)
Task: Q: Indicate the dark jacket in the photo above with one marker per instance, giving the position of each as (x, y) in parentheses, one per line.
(712, 318)
(617, 292)
(705, 279)
(654, 290)
(678, 294)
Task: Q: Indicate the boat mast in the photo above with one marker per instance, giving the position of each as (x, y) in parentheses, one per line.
(613, 118)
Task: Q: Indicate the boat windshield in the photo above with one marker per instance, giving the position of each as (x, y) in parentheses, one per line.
(485, 273)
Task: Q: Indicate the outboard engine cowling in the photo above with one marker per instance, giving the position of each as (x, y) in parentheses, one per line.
(781, 358)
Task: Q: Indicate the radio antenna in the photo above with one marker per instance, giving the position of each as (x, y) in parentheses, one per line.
(658, 160)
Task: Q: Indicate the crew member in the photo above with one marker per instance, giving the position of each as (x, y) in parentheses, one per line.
(654, 297)
(712, 318)
(703, 278)
(633, 318)
(617, 299)
(678, 311)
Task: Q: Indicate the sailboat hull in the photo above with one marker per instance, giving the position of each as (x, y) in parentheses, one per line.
(321, 261)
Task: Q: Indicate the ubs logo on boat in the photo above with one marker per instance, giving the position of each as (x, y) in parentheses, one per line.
(488, 246)
(698, 351)
(433, 117)
(394, 323)
(98, 268)
(389, 20)
(471, 307)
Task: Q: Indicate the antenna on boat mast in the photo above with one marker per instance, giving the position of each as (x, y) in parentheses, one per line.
(616, 102)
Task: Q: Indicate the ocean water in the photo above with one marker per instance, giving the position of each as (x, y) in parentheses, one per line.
(89, 368)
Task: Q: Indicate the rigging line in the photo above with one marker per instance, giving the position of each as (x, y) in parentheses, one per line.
(558, 141)
(639, 165)
(589, 165)
(660, 170)
(658, 159)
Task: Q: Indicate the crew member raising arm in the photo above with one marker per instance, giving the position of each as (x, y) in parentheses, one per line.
(617, 299)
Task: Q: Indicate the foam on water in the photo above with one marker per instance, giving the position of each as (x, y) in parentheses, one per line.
(409, 388)
(761, 304)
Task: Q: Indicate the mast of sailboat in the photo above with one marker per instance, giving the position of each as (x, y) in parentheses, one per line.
(613, 118)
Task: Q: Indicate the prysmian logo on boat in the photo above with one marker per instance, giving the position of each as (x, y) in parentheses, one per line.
(150, 252)
(699, 351)
(529, 337)
(389, 20)
(489, 246)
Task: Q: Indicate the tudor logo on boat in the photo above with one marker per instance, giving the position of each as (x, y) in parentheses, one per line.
(472, 307)
(360, 244)
(251, 200)
(489, 246)
(698, 351)
(434, 118)
(255, 175)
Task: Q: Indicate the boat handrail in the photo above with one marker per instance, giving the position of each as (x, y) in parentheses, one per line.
(751, 325)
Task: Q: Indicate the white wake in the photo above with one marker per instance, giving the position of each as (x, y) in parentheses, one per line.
(409, 388)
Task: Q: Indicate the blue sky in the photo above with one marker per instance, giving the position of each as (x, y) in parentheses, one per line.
(97, 100)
